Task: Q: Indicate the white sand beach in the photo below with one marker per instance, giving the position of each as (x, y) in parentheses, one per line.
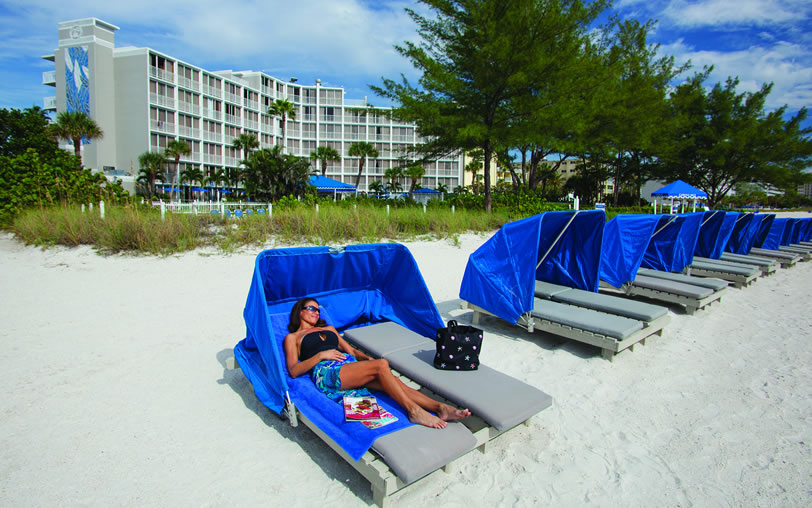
(115, 393)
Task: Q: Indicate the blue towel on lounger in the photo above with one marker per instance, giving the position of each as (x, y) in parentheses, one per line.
(354, 437)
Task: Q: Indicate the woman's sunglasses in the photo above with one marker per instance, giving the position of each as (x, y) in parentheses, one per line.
(312, 309)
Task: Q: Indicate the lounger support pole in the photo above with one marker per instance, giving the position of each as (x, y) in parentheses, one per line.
(557, 238)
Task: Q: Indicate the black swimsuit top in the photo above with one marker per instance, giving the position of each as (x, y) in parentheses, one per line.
(312, 344)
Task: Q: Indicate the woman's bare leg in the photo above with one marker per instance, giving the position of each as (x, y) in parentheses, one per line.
(444, 411)
(377, 373)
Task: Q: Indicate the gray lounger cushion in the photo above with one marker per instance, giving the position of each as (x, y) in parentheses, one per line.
(416, 451)
(780, 254)
(502, 401)
(548, 290)
(705, 282)
(748, 260)
(586, 319)
(724, 266)
(672, 286)
(382, 339)
(612, 304)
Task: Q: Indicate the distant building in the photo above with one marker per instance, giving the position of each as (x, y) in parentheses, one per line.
(143, 98)
(569, 168)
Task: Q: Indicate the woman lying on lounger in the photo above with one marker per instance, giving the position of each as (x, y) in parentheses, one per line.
(335, 368)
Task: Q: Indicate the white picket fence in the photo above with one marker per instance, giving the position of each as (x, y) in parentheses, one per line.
(224, 209)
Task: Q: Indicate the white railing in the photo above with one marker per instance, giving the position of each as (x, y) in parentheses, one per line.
(214, 207)
(251, 124)
(189, 132)
(213, 91)
(212, 136)
(210, 158)
(232, 119)
(231, 97)
(162, 126)
(188, 83)
(49, 102)
(49, 78)
(250, 104)
(162, 100)
(329, 118)
(403, 138)
(211, 113)
(231, 161)
(350, 118)
(162, 74)
(188, 107)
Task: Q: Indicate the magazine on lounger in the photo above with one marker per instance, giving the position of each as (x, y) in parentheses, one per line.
(359, 409)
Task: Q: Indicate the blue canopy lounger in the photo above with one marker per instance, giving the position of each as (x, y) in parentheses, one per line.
(739, 251)
(560, 250)
(740, 275)
(767, 245)
(375, 292)
(625, 241)
(796, 229)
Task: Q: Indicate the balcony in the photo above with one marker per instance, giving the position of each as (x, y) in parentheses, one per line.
(232, 98)
(49, 78)
(187, 107)
(160, 125)
(328, 118)
(162, 74)
(49, 103)
(251, 124)
(189, 132)
(214, 92)
(233, 119)
(162, 100)
(212, 136)
(250, 104)
(210, 158)
(213, 114)
(350, 118)
(188, 83)
(231, 161)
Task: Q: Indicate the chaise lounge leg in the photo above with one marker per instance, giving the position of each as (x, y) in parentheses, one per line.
(379, 497)
(231, 363)
(608, 354)
(475, 319)
(483, 447)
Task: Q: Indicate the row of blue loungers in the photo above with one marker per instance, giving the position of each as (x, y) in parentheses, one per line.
(542, 273)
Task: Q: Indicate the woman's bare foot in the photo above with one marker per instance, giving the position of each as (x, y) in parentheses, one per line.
(422, 417)
(450, 414)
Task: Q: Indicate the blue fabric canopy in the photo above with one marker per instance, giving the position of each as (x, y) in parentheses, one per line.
(322, 183)
(807, 234)
(680, 190)
(763, 222)
(500, 276)
(775, 234)
(625, 239)
(742, 237)
(789, 228)
(709, 233)
(798, 230)
(426, 190)
(355, 286)
(672, 245)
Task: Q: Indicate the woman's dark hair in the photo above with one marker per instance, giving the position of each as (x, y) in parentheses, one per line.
(294, 322)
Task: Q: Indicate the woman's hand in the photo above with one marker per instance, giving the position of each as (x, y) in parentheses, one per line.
(331, 355)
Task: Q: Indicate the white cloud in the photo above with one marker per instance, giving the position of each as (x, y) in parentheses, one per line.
(687, 13)
(787, 65)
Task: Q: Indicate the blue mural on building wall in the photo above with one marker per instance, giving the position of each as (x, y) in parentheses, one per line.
(77, 81)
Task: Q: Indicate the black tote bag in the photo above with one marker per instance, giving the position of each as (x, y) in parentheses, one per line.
(458, 347)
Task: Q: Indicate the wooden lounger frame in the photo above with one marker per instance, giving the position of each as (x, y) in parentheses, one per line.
(783, 261)
(738, 281)
(383, 481)
(609, 346)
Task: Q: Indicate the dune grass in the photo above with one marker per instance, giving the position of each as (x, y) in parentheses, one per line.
(136, 229)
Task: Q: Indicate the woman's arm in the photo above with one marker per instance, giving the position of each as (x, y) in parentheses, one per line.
(297, 368)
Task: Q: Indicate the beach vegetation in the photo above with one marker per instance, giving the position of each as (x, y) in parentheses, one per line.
(363, 150)
(323, 155)
(176, 149)
(285, 110)
(269, 174)
(151, 168)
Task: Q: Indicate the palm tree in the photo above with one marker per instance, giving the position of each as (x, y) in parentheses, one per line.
(151, 169)
(376, 187)
(191, 175)
(246, 143)
(363, 150)
(415, 172)
(73, 126)
(325, 154)
(285, 109)
(392, 174)
(174, 150)
(441, 187)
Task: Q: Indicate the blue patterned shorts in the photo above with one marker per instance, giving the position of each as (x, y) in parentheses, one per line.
(326, 377)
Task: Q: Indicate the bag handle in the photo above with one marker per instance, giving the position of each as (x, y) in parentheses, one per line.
(452, 324)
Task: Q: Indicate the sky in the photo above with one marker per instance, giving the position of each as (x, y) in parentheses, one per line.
(350, 43)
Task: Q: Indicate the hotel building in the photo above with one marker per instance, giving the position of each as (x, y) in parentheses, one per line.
(142, 98)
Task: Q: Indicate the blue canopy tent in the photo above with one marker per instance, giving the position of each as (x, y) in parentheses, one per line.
(558, 247)
(798, 230)
(679, 191)
(775, 234)
(763, 223)
(326, 185)
(807, 234)
(424, 195)
(673, 242)
(355, 286)
(742, 236)
(625, 239)
(710, 230)
(789, 228)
